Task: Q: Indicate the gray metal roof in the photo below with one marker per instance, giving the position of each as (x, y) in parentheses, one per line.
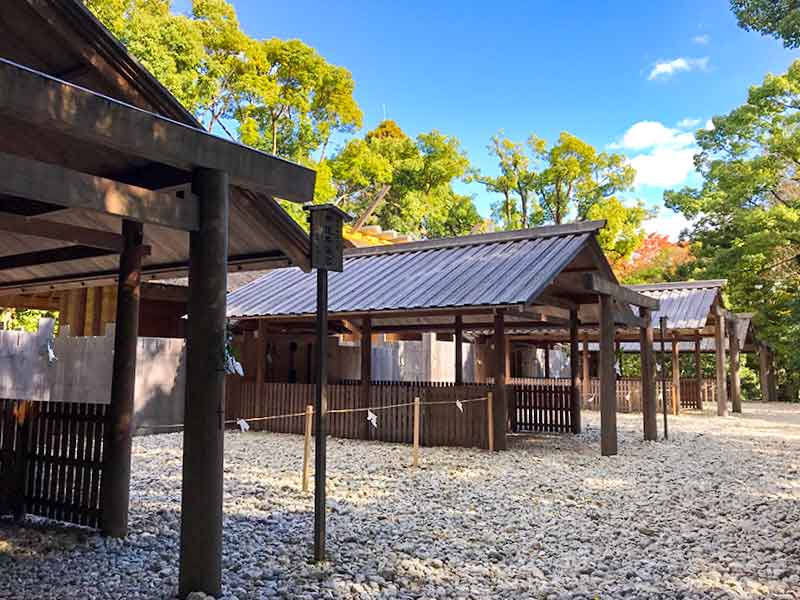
(493, 269)
(686, 304)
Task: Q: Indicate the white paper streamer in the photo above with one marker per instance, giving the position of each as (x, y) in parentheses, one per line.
(372, 418)
(51, 355)
(459, 406)
(243, 425)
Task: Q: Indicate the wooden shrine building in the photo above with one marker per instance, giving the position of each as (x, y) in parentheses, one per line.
(543, 277)
(106, 180)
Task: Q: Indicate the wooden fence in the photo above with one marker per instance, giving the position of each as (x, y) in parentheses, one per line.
(51, 460)
(629, 394)
(540, 406)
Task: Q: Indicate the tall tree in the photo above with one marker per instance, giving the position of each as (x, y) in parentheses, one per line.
(747, 212)
(778, 18)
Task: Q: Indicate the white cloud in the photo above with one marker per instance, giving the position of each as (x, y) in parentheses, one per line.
(709, 125)
(667, 68)
(688, 123)
(703, 39)
(662, 156)
(669, 223)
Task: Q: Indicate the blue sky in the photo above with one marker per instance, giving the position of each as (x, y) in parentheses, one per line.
(617, 74)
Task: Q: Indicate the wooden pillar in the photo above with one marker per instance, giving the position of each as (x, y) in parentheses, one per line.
(574, 366)
(719, 347)
(676, 375)
(608, 379)
(109, 310)
(204, 408)
(772, 384)
(648, 367)
(763, 362)
(77, 312)
(458, 338)
(736, 385)
(116, 480)
(586, 378)
(547, 361)
(366, 371)
(261, 360)
(499, 408)
(698, 373)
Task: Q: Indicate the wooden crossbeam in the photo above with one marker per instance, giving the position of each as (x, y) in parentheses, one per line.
(84, 236)
(43, 257)
(50, 183)
(605, 287)
(44, 102)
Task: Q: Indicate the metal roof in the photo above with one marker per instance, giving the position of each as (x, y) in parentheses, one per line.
(496, 269)
(686, 304)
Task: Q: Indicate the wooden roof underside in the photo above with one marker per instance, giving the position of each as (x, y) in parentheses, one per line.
(60, 39)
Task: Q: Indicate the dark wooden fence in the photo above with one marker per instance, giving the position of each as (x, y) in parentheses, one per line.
(52, 460)
(541, 406)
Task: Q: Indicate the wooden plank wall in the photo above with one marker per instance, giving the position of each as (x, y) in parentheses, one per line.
(62, 446)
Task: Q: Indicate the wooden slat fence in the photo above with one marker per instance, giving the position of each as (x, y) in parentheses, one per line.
(540, 406)
(57, 459)
(629, 394)
(442, 423)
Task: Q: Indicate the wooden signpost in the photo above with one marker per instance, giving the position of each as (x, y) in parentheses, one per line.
(327, 249)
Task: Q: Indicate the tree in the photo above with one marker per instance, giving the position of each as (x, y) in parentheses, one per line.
(568, 181)
(747, 212)
(654, 260)
(414, 177)
(778, 18)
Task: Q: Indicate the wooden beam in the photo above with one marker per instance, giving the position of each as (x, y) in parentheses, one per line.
(44, 102)
(46, 257)
(604, 287)
(719, 345)
(203, 437)
(116, 480)
(574, 367)
(39, 302)
(676, 377)
(648, 367)
(366, 371)
(736, 384)
(459, 350)
(40, 228)
(499, 408)
(608, 379)
(34, 180)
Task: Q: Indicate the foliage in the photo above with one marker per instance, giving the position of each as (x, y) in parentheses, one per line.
(568, 181)
(747, 212)
(778, 18)
(23, 319)
(654, 260)
(418, 173)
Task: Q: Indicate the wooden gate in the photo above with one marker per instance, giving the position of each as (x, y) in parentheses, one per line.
(52, 460)
(542, 406)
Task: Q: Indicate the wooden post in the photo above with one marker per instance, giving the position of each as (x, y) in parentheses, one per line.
(415, 452)
(547, 361)
(307, 447)
(115, 484)
(574, 366)
(321, 411)
(676, 375)
(204, 407)
(490, 420)
(459, 354)
(773, 390)
(649, 408)
(763, 364)
(608, 379)
(261, 360)
(499, 407)
(366, 371)
(662, 330)
(736, 385)
(698, 372)
(719, 347)
(586, 379)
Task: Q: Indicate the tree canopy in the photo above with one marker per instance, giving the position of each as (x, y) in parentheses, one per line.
(569, 180)
(747, 212)
(778, 18)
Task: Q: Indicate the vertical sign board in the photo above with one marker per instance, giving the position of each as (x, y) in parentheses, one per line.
(327, 250)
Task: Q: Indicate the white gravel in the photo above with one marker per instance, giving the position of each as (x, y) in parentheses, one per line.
(713, 513)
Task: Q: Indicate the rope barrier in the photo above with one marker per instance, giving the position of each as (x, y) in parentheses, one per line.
(333, 411)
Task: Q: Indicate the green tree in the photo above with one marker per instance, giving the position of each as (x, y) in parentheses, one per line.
(747, 212)
(412, 178)
(778, 18)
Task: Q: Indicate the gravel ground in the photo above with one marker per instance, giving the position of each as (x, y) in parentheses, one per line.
(713, 513)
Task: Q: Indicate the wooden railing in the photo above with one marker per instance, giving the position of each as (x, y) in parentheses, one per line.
(52, 460)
